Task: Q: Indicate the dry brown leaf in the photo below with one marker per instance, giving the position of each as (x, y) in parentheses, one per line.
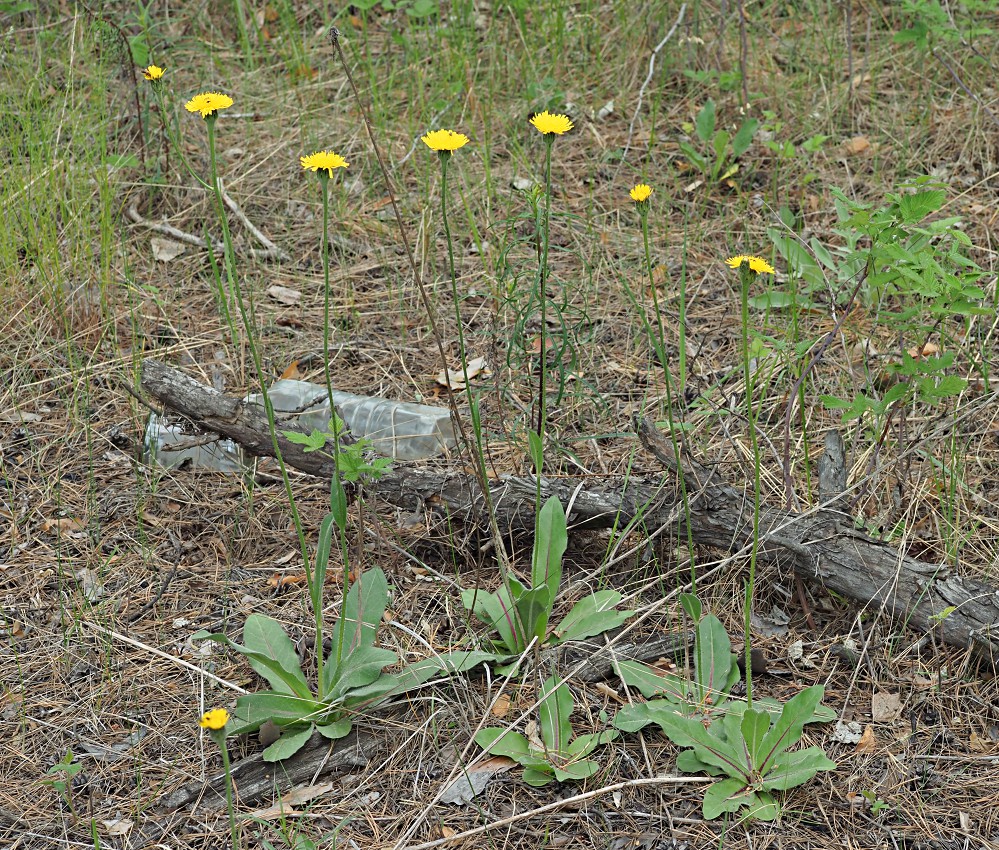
(856, 145)
(63, 525)
(165, 250)
(976, 744)
(455, 378)
(292, 373)
(448, 832)
(501, 707)
(867, 742)
(472, 782)
(885, 707)
(285, 295)
(293, 798)
(931, 349)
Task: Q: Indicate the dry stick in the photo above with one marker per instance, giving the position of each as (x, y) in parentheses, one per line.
(198, 242)
(166, 656)
(743, 53)
(960, 82)
(567, 801)
(277, 253)
(648, 78)
(334, 39)
(789, 496)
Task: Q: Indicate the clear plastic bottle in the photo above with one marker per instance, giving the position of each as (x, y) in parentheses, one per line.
(397, 429)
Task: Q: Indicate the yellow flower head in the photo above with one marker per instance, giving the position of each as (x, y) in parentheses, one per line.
(214, 719)
(208, 103)
(641, 192)
(445, 140)
(153, 72)
(756, 264)
(545, 122)
(323, 161)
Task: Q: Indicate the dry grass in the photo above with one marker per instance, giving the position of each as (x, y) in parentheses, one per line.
(176, 551)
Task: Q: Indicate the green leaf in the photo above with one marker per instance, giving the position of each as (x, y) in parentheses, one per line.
(535, 449)
(575, 771)
(323, 548)
(704, 124)
(553, 715)
(537, 777)
(692, 606)
(788, 728)
(592, 616)
(726, 795)
(688, 762)
(744, 137)
(774, 300)
(363, 609)
(338, 504)
(550, 541)
(252, 710)
(458, 661)
(287, 745)
(496, 611)
(534, 608)
(914, 208)
(631, 718)
(359, 667)
(793, 769)
(713, 659)
(695, 157)
(582, 745)
(512, 744)
(709, 747)
(754, 726)
(291, 683)
(335, 729)
(265, 636)
(651, 684)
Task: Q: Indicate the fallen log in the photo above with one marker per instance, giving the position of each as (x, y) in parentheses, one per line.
(820, 545)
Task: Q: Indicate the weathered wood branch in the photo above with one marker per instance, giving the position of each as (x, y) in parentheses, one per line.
(820, 545)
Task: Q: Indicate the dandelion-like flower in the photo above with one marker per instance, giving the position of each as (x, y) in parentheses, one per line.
(546, 123)
(152, 72)
(445, 141)
(208, 103)
(756, 264)
(214, 719)
(641, 192)
(323, 161)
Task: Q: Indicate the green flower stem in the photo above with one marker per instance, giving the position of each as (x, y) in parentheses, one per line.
(479, 458)
(542, 411)
(234, 287)
(660, 347)
(336, 483)
(746, 275)
(218, 736)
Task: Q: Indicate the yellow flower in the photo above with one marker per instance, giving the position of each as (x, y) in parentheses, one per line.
(323, 161)
(215, 719)
(756, 264)
(153, 72)
(445, 140)
(545, 122)
(641, 192)
(208, 103)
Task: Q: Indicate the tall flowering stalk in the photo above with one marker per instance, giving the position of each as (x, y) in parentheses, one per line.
(323, 164)
(549, 126)
(749, 268)
(208, 105)
(444, 143)
(641, 194)
(214, 722)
